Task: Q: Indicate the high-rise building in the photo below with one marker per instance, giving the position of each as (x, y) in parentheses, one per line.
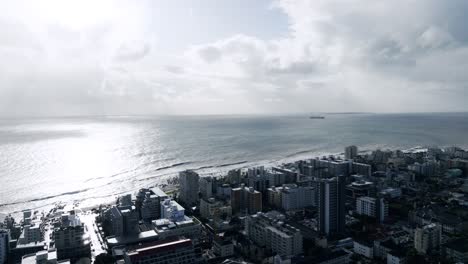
(331, 205)
(373, 207)
(207, 187)
(189, 182)
(351, 152)
(427, 238)
(32, 232)
(148, 203)
(70, 240)
(122, 220)
(246, 200)
(4, 245)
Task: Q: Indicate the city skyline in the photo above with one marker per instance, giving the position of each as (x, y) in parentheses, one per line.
(171, 57)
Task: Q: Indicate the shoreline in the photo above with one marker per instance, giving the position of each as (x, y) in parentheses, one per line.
(215, 171)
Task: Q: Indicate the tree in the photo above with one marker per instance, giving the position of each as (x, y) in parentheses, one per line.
(104, 258)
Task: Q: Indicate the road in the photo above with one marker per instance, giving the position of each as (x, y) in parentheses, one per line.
(97, 243)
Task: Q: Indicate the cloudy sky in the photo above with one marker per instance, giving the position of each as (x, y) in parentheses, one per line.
(87, 57)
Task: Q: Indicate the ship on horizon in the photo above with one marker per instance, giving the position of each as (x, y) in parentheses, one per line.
(316, 117)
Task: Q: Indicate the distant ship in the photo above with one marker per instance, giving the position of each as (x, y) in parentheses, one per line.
(316, 117)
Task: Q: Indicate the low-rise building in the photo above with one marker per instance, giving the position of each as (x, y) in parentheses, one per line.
(396, 257)
(172, 210)
(43, 257)
(223, 247)
(456, 250)
(211, 208)
(189, 227)
(179, 251)
(363, 248)
(373, 207)
(275, 235)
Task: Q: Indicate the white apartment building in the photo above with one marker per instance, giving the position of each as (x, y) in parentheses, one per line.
(363, 249)
(427, 238)
(280, 238)
(373, 207)
(172, 210)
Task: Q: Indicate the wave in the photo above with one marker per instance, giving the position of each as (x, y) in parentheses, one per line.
(46, 197)
(221, 165)
(173, 165)
(141, 166)
(299, 153)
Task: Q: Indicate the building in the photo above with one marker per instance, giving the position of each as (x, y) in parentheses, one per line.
(211, 208)
(207, 187)
(359, 188)
(114, 242)
(149, 203)
(4, 245)
(331, 205)
(190, 227)
(16, 253)
(10, 224)
(123, 221)
(339, 256)
(43, 257)
(31, 233)
(427, 238)
(189, 186)
(223, 247)
(272, 233)
(116, 221)
(426, 169)
(125, 200)
(172, 210)
(364, 248)
(291, 197)
(71, 240)
(456, 250)
(261, 179)
(327, 168)
(174, 222)
(179, 251)
(396, 257)
(391, 192)
(351, 152)
(246, 200)
(373, 207)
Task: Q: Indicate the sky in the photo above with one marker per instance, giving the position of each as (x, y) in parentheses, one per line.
(63, 57)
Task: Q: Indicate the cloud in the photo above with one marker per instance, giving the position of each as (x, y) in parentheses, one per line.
(358, 53)
(132, 53)
(338, 55)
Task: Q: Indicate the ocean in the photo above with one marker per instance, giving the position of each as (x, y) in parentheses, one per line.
(93, 160)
